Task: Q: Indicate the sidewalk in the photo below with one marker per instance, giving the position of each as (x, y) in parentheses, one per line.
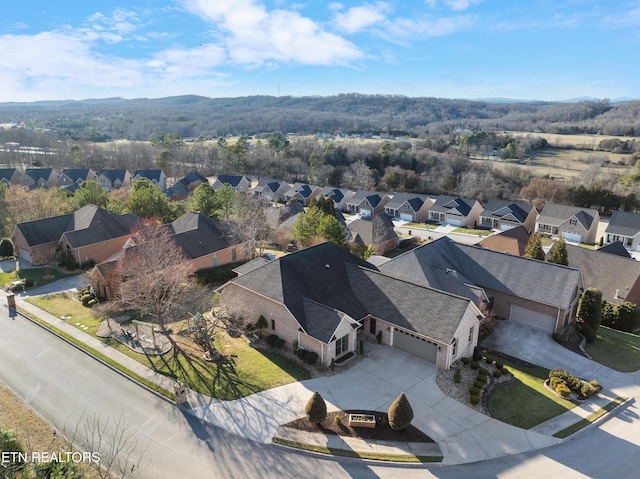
(461, 433)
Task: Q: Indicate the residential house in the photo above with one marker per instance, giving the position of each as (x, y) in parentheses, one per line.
(321, 296)
(177, 192)
(302, 193)
(10, 176)
(375, 231)
(157, 177)
(531, 292)
(40, 177)
(503, 215)
(454, 211)
(340, 196)
(191, 181)
(271, 190)
(617, 277)
(114, 179)
(574, 224)
(409, 207)
(616, 248)
(624, 227)
(90, 233)
(366, 203)
(75, 176)
(513, 241)
(237, 182)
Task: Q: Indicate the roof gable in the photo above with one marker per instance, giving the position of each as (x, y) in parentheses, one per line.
(624, 223)
(198, 235)
(554, 214)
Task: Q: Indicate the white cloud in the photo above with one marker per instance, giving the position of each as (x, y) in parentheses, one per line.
(254, 36)
(459, 5)
(359, 18)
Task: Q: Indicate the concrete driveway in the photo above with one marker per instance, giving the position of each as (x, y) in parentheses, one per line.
(374, 383)
(538, 347)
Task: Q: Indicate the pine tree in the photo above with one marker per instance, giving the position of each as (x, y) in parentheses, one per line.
(400, 413)
(559, 253)
(316, 409)
(534, 247)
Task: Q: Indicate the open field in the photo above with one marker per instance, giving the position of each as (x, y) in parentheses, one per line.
(582, 142)
(567, 163)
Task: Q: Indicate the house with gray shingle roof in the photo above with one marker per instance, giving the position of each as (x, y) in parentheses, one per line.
(574, 224)
(366, 203)
(536, 293)
(10, 176)
(340, 196)
(504, 215)
(409, 207)
(455, 211)
(88, 233)
(302, 193)
(191, 181)
(513, 241)
(321, 296)
(376, 231)
(237, 182)
(157, 177)
(75, 176)
(624, 227)
(39, 177)
(114, 179)
(271, 190)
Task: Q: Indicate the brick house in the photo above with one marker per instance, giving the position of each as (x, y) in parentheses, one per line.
(576, 225)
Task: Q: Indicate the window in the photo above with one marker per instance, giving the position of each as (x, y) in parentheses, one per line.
(234, 256)
(573, 221)
(454, 347)
(215, 260)
(471, 330)
(342, 345)
(273, 324)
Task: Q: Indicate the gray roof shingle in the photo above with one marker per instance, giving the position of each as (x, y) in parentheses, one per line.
(554, 214)
(500, 208)
(198, 235)
(624, 223)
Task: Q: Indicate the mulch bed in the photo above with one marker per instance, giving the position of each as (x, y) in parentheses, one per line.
(382, 431)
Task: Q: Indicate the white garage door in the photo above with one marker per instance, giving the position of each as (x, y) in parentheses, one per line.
(572, 237)
(506, 226)
(25, 255)
(406, 216)
(364, 213)
(414, 344)
(534, 319)
(453, 222)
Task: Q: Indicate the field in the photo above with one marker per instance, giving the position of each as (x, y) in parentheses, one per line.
(580, 142)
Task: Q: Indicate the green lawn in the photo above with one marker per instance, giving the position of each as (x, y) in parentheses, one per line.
(40, 276)
(471, 231)
(616, 349)
(526, 403)
(63, 306)
(247, 370)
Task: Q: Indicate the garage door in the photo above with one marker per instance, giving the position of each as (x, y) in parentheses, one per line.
(534, 319)
(415, 345)
(406, 216)
(572, 237)
(506, 226)
(364, 213)
(453, 222)
(25, 255)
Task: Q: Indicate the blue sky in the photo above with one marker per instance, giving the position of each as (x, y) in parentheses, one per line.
(525, 49)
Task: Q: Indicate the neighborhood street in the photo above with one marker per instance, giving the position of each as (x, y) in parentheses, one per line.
(63, 384)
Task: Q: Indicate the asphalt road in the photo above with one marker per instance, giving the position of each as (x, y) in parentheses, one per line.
(64, 384)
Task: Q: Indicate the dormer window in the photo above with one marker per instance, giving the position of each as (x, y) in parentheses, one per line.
(573, 221)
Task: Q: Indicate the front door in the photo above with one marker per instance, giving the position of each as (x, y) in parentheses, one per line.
(372, 325)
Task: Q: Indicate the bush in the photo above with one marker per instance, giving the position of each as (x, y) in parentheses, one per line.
(497, 373)
(489, 360)
(504, 370)
(92, 302)
(310, 357)
(294, 345)
(316, 408)
(279, 343)
(482, 377)
(70, 263)
(88, 264)
(465, 361)
(85, 299)
(474, 399)
(337, 420)
(300, 353)
(596, 385)
(586, 390)
(478, 384)
(499, 364)
(271, 339)
(457, 376)
(476, 354)
(6, 248)
(557, 337)
(474, 365)
(483, 371)
(474, 390)
(563, 390)
(400, 413)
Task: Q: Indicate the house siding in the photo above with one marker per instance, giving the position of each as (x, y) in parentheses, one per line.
(97, 251)
(36, 251)
(224, 256)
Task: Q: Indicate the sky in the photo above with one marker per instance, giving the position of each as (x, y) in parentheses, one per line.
(520, 49)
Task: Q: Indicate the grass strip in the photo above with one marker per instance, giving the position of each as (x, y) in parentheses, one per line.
(591, 418)
(355, 454)
(100, 356)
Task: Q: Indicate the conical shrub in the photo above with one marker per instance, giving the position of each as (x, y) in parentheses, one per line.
(400, 413)
(316, 409)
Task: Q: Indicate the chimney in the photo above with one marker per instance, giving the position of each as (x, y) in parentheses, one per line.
(617, 296)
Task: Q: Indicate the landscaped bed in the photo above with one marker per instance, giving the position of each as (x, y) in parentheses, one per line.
(382, 431)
